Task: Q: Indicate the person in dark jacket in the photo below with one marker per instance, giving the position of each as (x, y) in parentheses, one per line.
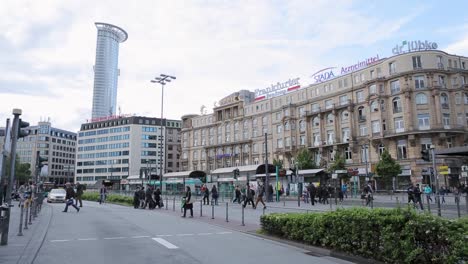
(79, 192)
(141, 195)
(136, 198)
(214, 195)
(148, 197)
(238, 195)
(249, 193)
(261, 193)
(312, 192)
(188, 202)
(70, 194)
(417, 196)
(157, 197)
(206, 195)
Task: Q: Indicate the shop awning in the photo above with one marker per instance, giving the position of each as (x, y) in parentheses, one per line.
(226, 180)
(185, 174)
(309, 172)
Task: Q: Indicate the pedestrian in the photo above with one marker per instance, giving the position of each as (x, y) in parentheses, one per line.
(442, 192)
(344, 189)
(417, 196)
(428, 192)
(102, 193)
(70, 195)
(305, 195)
(188, 202)
(270, 193)
(410, 192)
(261, 193)
(3, 190)
(237, 195)
(141, 196)
(157, 198)
(214, 195)
(79, 192)
(249, 193)
(368, 190)
(148, 196)
(312, 192)
(136, 198)
(206, 195)
(21, 191)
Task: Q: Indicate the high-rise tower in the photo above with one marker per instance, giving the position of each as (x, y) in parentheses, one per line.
(106, 69)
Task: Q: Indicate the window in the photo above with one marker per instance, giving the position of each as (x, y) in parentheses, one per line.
(330, 118)
(328, 104)
(356, 78)
(287, 142)
(399, 125)
(363, 77)
(372, 74)
(302, 140)
(423, 121)
(419, 82)
(302, 126)
(466, 98)
(343, 100)
(457, 99)
(287, 127)
(381, 149)
(376, 126)
(348, 153)
(302, 111)
(382, 105)
(316, 121)
(361, 114)
(279, 143)
(449, 142)
(441, 81)
(345, 134)
(344, 116)
(396, 102)
(345, 82)
(392, 67)
(421, 99)
(395, 86)
(373, 89)
(330, 137)
(454, 81)
(315, 108)
(316, 139)
(374, 106)
(460, 119)
(360, 96)
(363, 130)
(417, 62)
(279, 129)
(446, 120)
(444, 101)
(401, 150)
(365, 153)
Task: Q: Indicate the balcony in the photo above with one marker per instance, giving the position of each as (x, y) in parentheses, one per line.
(397, 109)
(362, 118)
(445, 106)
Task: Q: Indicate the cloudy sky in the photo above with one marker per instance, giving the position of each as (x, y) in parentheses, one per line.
(214, 48)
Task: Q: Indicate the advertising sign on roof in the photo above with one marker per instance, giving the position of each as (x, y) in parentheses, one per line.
(410, 46)
(277, 89)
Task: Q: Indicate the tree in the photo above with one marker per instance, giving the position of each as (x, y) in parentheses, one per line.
(339, 164)
(278, 163)
(387, 168)
(304, 160)
(22, 170)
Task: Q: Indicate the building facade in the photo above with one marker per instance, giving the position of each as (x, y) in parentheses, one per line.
(403, 104)
(106, 69)
(57, 145)
(120, 147)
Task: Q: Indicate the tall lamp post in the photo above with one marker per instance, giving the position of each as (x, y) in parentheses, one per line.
(162, 79)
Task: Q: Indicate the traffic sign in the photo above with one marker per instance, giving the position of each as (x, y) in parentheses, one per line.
(443, 168)
(341, 171)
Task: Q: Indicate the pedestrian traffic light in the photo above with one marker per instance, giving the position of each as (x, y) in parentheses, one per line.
(236, 173)
(22, 133)
(141, 173)
(293, 172)
(425, 155)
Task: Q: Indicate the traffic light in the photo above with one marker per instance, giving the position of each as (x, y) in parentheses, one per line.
(236, 173)
(41, 161)
(141, 173)
(293, 172)
(425, 155)
(22, 133)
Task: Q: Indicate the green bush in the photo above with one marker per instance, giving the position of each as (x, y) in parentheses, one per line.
(111, 198)
(388, 235)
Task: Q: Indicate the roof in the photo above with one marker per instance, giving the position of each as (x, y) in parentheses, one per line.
(241, 169)
(179, 174)
(313, 171)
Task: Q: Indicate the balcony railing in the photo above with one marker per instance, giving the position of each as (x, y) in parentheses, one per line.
(397, 109)
(445, 106)
(362, 118)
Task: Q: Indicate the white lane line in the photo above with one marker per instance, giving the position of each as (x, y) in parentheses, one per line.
(87, 239)
(60, 240)
(204, 234)
(222, 233)
(139, 236)
(163, 235)
(164, 243)
(184, 235)
(109, 238)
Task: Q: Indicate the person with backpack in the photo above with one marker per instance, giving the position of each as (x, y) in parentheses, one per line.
(250, 193)
(70, 195)
(141, 195)
(410, 192)
(417, 196)
(136, 198)
(368, 192)
(188, 205)
(157, 198)
(237, 193)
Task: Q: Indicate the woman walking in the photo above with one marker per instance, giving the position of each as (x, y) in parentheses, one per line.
(214, 195)
(188, 202)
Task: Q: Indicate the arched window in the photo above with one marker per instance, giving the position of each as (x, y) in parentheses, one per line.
(421, 98)
(287, 126)
(374, 106)
(444, 100)
(361, 113)
(381, 149)
(396, 102)
(330, 118)
(316, 121)
(344, 116)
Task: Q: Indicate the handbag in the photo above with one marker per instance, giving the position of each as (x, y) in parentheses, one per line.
(69, 201)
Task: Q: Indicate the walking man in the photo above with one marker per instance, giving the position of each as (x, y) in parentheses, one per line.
(312, 191)
(70, 195)
(238, 195)
(206, 195)
(148, 196)
(417, 196)
(368, 191)
(102, 193)
(261, 192)
(249, 196)
(79, 192)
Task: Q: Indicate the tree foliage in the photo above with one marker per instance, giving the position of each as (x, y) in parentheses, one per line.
(278, 163)
(387, 168)
(339, 164)
(304, 160)
(22, 170)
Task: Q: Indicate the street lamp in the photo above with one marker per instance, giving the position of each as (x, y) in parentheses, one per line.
(162, 79)
(432, 147)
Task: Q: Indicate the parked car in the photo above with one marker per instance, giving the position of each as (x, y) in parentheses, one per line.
(56, 195)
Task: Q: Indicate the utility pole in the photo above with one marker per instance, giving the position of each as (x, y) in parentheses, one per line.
(3, 177)
(267, 175)
(439, 213)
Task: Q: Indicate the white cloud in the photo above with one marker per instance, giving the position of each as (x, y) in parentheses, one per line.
(214, 49)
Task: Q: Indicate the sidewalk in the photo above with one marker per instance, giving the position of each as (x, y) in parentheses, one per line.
(23, 249)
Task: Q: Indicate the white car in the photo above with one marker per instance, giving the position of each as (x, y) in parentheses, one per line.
(56, 195)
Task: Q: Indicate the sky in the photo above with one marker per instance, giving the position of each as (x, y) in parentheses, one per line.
(214, 48)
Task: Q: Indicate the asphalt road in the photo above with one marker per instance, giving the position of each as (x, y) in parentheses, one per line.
(117, 234)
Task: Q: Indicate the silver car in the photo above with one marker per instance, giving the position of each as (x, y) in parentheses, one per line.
(56, 195)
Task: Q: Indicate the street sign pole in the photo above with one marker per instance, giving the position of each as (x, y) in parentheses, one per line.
(439, 213)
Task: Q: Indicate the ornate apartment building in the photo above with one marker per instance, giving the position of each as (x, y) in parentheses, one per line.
(404, 103)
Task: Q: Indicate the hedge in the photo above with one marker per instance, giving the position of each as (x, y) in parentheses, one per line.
(388, 235)
(111, 198)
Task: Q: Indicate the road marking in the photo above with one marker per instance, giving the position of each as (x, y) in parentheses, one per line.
(184, 235)
(139, 236)
(164, 235)
(164, 243)
(60, 240)
(109, 238)
(222, 233)
(204, 234)
(87, 239)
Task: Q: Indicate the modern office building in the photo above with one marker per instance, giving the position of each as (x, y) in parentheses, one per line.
(56, 144)
(404, 103)
(118, 148)
(106, 69)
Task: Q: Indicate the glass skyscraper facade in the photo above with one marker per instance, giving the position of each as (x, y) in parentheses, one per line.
(106, 69)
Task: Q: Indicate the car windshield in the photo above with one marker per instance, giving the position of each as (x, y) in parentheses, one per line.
(57, 191)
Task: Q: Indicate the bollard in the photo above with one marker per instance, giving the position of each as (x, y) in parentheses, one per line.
(167, 201)
(20, 233)
(428, 203)
(457, 201)
(30, 212)
(243, 224)
(227, 213)
(26, 219)
(201, 208)
(212, 210)
(173, 204)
